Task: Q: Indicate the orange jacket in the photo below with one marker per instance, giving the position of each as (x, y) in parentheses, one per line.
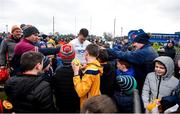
(89, 85)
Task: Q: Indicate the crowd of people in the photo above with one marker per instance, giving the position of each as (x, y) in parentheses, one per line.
(42, 74)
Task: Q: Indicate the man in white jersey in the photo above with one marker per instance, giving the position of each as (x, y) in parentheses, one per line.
(79, 44)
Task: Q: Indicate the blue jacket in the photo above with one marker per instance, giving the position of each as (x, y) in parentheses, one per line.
(129, 72)
(125, 103)
(141, 59)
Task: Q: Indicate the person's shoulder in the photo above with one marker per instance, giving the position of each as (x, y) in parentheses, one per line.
(174, 79)
(151, 75)
(6, 40)
(87, 42)
(43, 85)
(62, 68)
(73, 41)
(92, 70)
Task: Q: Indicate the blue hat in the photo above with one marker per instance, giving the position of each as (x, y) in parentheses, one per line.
(142, 38)
(126, 83)
(139, 36)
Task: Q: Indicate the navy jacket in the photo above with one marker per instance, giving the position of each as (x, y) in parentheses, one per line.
(125, 103)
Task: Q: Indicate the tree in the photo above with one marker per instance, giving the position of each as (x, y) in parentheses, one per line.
(107, 36)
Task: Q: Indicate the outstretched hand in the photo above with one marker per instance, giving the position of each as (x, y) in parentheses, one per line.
(75, 68)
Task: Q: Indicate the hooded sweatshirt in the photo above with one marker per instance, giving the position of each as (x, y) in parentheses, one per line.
(89, 85)
(157, 87)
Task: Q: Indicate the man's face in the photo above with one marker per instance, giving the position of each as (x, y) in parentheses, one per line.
(81, 38)
(17, 33)
(137, 46)
(170, 44)
(34, 38)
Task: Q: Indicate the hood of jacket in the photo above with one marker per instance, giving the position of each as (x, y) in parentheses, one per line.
(169, 65)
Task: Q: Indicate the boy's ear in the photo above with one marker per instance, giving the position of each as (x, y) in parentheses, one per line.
(38, 66)
(86, 53)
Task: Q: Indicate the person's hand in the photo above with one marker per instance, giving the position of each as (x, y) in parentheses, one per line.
(75, 68)
(101, 47)
(83, 66)
(2, 67)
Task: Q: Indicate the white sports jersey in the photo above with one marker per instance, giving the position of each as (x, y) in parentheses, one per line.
(80, 49)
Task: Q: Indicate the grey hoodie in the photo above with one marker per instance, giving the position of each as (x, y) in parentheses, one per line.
(156, 86)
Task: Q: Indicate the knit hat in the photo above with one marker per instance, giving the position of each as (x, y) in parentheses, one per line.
(46, 62)
(66, 53)
(29, 30)
(142, 38)
(22, 26)
(126, 83)
(44, 36)
(15, 27)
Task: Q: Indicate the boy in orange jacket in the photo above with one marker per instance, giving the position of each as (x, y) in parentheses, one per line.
(89, 84)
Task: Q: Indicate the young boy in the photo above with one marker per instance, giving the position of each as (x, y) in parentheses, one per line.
(123, 94)
(28, 92)
(161, 82)
(67, 100)
(89, 85)
(124, 68)
(99, 104)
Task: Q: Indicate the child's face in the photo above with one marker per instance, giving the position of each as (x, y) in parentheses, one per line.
(160, 69)
(120, 66)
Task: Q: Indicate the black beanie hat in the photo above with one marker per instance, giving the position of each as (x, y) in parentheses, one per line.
(46, 62)
(29, 30)
(44, 36)
(142, 38)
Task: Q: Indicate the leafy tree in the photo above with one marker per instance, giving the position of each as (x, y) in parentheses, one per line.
(107, 36)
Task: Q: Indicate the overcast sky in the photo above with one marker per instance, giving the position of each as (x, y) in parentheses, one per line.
(157, 16)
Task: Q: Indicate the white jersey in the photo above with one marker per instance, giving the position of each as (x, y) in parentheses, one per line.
(79, 49)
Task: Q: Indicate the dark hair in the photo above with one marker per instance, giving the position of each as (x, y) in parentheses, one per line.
(103, 55)
(93, 50)
(99, 104)
(127, 64)
(84, 32)
(30, 59)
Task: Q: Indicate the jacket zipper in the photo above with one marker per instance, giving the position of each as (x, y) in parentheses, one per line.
(158, 88)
